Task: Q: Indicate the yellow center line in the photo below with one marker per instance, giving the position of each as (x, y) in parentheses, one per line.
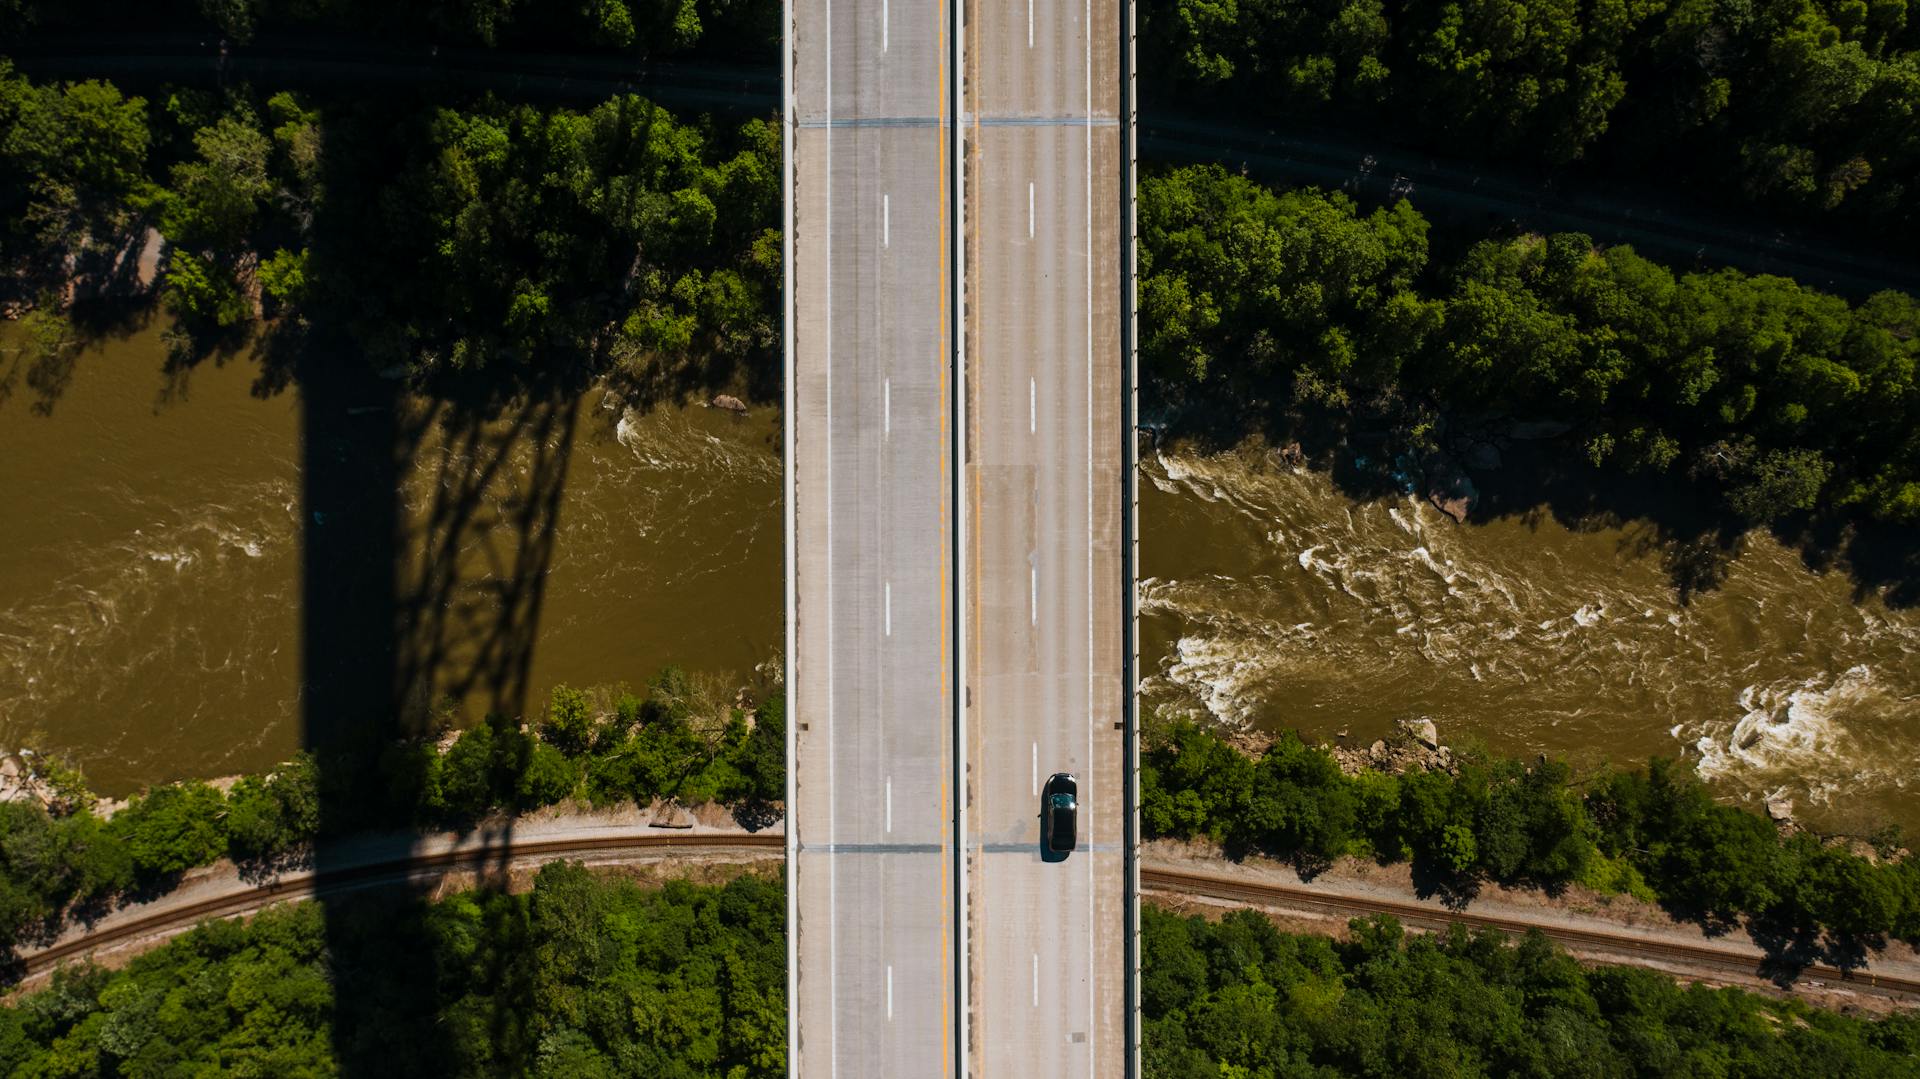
(946, 884)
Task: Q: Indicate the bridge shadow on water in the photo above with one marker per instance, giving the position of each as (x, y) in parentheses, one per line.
(427, 530)
(428, 519)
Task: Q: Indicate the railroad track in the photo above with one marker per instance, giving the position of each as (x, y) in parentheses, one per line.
(322, 883)
(311, 885)
(1296, 897)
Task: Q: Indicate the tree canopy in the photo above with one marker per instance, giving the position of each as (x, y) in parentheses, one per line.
(581, 976)
(1803, 107)
(1656, 832)
(1782, 398)
(1237, 997)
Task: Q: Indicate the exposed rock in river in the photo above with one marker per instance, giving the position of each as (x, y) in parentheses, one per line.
(1449, 488)
(1414, 746)
(729, 402)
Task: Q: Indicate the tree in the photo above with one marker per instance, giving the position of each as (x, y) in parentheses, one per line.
(570, 722)
(214, 199)
(171, 829)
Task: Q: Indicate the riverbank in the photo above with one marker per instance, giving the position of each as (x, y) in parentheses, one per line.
(678, 744)
(1462, 819)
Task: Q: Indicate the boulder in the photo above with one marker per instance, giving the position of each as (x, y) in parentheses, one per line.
(730, 403)
(1451, 492)
(1419, 729)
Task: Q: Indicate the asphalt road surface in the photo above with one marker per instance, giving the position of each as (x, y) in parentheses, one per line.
(1046, 581)
(874, 867)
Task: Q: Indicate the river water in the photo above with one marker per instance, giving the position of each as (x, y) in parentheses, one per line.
(150, 594)
(1270, 598)
(151, 563)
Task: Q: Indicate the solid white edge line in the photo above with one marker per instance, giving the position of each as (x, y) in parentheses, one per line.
(957, 357)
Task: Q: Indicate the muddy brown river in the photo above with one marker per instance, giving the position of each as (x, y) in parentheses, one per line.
(1270, 598)
(151, 564)
(151, 590)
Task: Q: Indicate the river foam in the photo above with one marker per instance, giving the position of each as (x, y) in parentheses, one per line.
(1276, 600)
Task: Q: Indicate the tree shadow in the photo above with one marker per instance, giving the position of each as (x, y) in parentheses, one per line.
(1370, 452)
(1455, 891)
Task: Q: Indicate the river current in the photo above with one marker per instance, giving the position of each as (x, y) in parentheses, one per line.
(1269, 598)
(150, 592)
(151, 563)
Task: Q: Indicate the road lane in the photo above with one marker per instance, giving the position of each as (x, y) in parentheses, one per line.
(1044, 379)
(872, 865)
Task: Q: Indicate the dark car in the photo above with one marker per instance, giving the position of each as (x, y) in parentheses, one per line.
(1059, 805)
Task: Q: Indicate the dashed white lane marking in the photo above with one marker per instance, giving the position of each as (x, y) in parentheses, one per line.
(1036, 979)
(887, 602)
(1033, 771)
(889, 803)
(886, 406)
(889, 992)
(1033, 414)
(1033, 595)
(1029, 24)
(886, 221)
(883, 25)
(1029, 209)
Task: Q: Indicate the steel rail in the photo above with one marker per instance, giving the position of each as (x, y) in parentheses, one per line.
(1262, 893)
(312, 885)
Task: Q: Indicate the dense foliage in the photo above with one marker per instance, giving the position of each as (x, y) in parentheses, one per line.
(1240, 998)
(1782, 398)
(632, 29)
(1805, 106)
(580, 977)
(527, 243)
(672, 742)
(1657, 833)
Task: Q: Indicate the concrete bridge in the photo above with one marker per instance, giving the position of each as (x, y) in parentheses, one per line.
(961, 579)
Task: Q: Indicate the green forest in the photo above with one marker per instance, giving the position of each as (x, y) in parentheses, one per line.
(1239, 998)
(504, 245)
(580, 977)
(602, 749)
(1779, 398)
(1800, 108)
(1656, 833)
(633, 29)
(586, 976)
